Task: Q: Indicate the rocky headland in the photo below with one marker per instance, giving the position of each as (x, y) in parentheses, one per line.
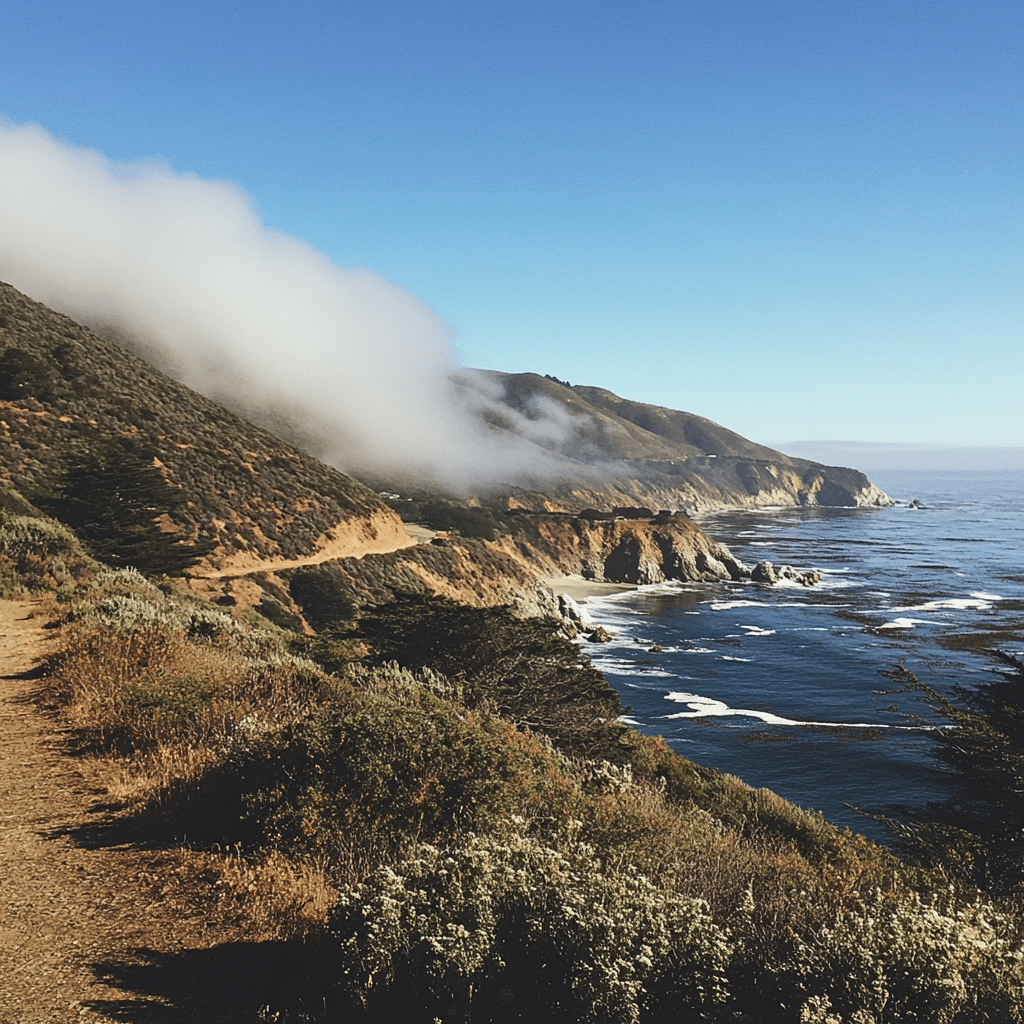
(239, 512)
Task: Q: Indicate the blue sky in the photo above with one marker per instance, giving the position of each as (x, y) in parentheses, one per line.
(802, 220)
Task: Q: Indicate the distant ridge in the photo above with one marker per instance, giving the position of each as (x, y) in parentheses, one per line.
(661, 457)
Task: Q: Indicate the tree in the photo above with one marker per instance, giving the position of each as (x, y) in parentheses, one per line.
(977, 833)
(524, 668)
(112, 501)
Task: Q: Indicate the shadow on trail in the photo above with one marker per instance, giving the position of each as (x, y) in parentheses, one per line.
(234, 983)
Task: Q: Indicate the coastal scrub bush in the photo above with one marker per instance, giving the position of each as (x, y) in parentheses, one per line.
(524, 668)
(390, 759)
(39, 554)
(322, 595)
(507, 927)
(909, 960)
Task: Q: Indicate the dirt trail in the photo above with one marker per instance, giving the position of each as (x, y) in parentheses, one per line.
(84, 933)
(383, 539)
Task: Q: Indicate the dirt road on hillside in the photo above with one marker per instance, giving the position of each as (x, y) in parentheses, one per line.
(86, 933)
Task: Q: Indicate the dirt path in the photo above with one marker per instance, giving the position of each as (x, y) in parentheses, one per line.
(345, 546)
(85, 933)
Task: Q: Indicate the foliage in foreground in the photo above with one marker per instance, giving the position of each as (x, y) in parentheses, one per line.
(497, 928)
(39, 555)
(482, 872)
(976, 835)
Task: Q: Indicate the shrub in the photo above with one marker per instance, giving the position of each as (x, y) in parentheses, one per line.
(910, 960)
(389, 760)
(39, 554)
(322, 595)
(508, 927)
(525, 668)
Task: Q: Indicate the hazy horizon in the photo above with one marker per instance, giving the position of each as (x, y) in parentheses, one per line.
(869, 456)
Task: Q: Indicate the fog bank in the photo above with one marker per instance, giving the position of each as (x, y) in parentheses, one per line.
(183, 269)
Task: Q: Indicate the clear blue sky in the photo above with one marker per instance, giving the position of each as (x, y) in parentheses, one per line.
(800, 219)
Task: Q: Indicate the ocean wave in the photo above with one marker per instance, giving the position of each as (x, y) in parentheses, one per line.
(976, 602)
(708, 707)
(725, 606)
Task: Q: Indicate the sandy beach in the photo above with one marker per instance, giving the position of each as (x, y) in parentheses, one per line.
(580, 589)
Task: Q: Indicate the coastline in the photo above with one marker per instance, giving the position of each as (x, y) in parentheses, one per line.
(579, 589)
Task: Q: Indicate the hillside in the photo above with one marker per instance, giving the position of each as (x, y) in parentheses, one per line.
(384, 794)
(78, 415)
(153, 475)
(617, 452)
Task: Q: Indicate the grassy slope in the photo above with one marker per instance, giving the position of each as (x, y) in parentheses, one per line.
(67, 392)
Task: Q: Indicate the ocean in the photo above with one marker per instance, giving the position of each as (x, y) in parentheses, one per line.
(781, 685)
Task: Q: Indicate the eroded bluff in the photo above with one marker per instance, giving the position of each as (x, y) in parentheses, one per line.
(664, 547)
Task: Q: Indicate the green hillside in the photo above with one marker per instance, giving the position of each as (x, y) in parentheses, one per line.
(78, 414)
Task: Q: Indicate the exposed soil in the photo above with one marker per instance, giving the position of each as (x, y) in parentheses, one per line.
(373, 535)
(90, 929)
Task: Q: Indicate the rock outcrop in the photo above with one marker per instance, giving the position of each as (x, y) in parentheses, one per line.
(667, 547)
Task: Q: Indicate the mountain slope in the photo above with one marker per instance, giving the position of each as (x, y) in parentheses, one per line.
(655, 456)
(76, 411)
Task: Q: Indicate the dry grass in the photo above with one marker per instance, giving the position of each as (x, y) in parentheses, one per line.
(273, 898)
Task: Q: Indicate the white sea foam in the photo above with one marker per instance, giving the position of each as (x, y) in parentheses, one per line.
(977, 602)
(725, 606)
(757, 631)
(729, 657)
(708, 707)
(903, 623)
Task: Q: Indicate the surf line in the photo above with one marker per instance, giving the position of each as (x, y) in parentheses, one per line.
(707, 707)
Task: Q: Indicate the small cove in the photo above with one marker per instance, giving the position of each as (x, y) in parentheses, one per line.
(780, 685)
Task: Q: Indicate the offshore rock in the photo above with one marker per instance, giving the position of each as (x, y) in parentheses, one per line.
(765, 572)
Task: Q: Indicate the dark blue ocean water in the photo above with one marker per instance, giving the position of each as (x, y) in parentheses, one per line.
(779, 685)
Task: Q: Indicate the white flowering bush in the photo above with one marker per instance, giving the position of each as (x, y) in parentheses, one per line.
(497, 923)
(605, 777)
(22, 535)
(38, 554)
(910, 961)
(126, 612)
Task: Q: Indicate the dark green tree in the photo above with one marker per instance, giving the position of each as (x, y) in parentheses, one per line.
(976, 833)
(323, 597)
(22, 376)
(525, 669)
(112, 501)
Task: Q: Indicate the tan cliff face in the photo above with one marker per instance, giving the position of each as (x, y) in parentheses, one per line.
(623, 551)
(706, 484)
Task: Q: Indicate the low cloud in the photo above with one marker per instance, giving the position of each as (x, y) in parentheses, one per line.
(182, 268)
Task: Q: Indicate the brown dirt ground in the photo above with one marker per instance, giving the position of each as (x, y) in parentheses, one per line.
(94, 929)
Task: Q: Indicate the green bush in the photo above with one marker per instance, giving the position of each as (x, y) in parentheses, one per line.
(523, 667)
(322, 595)
(389, 760)
(909, 960)
(39, 554)
(507, 928)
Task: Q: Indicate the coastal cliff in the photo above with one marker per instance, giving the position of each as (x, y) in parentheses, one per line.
(635, 551)
(612, 451)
